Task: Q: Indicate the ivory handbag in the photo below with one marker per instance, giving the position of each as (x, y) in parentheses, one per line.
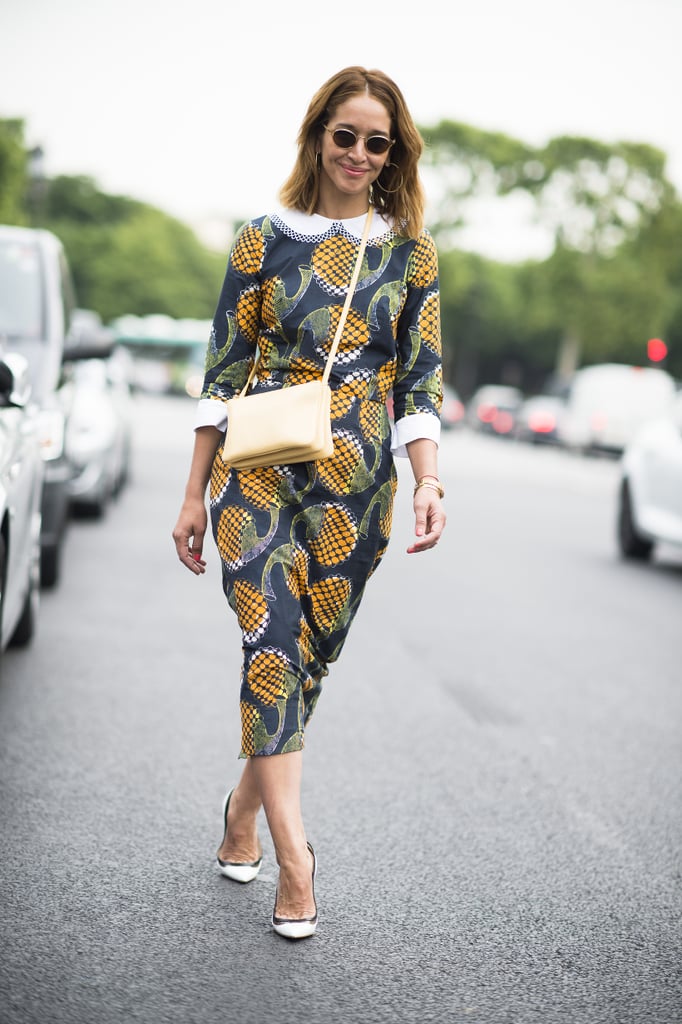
(293, 423)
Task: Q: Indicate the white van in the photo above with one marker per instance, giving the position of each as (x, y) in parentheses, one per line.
(608, 403)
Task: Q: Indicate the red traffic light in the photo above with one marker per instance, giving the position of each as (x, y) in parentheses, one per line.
(656, 350)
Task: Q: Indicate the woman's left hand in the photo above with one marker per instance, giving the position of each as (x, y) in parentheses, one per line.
(429, 519)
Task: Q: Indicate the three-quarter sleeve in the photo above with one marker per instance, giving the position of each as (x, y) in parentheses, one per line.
(234, 333)
(418, 387)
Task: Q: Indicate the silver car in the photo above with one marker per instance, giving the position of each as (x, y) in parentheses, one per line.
(22, 471)
(98, 441)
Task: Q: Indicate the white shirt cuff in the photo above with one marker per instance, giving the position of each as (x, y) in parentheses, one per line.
(211, 413)
(411, 428)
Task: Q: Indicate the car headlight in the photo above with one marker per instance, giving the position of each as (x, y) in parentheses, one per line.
(51, 434)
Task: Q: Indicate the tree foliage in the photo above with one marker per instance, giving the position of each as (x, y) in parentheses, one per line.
(129, 257)
(593, 195)
(13, 172)
(613, 280)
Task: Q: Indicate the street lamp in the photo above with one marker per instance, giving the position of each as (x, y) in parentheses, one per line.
(37, 185)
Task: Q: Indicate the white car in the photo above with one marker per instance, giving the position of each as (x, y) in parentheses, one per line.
(609, 402)
(650, 493)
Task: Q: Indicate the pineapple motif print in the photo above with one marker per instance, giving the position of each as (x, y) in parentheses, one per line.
(298, 543)
(337, 535)
(247, 254)
(355, 336)
(429, 322)
(329, 600)
(339, 473)
(252, 610)
(332, 262)
(237, 539)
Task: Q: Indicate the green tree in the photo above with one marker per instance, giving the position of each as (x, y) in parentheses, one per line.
(129, 257)
(485, 324)
(13, 172)
(608, 284)
(592, 195)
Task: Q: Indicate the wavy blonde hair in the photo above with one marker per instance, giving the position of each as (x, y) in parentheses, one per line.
(397, 193)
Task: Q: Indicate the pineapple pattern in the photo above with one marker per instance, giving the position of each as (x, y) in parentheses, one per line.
(298, 543)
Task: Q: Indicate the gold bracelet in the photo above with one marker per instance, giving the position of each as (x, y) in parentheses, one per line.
(432, 482)
(428, 476)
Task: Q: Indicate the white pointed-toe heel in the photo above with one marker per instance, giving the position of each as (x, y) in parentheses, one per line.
(244, 871)
(297, 928)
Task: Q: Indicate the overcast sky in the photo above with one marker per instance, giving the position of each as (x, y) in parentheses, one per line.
(195, 107)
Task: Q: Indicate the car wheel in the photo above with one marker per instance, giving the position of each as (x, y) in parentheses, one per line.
(95, 508)
(124, 474)
(26, 626)
(2, 588)
(49, 565)
(631, 543)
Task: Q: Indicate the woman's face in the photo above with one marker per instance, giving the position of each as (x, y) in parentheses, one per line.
(347, 173)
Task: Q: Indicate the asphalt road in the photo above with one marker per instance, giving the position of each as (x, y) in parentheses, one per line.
(492, 777)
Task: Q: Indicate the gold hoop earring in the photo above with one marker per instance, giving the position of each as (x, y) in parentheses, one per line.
(390, 191)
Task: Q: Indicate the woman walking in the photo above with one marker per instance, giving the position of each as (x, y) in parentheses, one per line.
(298, 542)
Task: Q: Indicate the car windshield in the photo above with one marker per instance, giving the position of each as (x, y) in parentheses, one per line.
(20, 291)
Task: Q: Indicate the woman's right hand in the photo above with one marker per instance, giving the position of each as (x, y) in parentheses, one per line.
(192, 522)
(189, 535)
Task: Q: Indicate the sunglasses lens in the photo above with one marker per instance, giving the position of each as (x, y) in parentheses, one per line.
(343, 138)
(377, 144)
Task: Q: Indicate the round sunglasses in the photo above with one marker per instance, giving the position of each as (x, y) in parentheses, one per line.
(345, 138)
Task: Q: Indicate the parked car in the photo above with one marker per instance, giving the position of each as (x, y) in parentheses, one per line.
(38, 320)
(98, 439)
(539, 419)
(494, 408)
(452, 411)
(22, 472)
(609, 402)
(35, 317)
(650, 491)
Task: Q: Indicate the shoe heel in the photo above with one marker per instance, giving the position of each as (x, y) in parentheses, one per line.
(244, 871)
(298, 928)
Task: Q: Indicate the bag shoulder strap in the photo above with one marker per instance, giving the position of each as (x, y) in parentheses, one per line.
(344, 312)
(349, 296)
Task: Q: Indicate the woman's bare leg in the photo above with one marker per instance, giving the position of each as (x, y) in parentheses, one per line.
(279, 785)
(240, 843)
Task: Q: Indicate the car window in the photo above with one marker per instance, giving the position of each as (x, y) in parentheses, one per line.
(21, 306)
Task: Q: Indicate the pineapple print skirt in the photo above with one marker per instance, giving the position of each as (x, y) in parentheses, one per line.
(297, 546)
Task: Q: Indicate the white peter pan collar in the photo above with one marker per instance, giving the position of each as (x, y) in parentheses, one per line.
(304, 225)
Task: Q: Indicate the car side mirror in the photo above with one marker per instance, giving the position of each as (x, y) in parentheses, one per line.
(88, 338)
(15, 381)
(98, 346)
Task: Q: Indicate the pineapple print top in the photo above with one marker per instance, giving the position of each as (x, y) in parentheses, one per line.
(298, 543)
